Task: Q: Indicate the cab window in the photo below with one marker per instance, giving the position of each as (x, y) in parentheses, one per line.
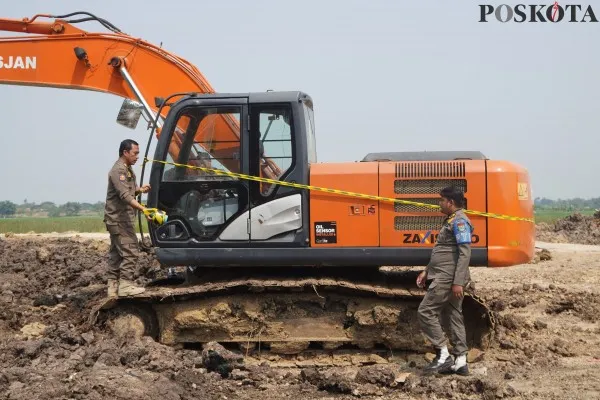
(275, 144)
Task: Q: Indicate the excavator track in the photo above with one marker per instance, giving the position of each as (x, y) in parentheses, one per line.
(343, 314)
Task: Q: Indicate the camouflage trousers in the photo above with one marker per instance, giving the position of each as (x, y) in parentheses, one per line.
(440, 307)
(123, 252)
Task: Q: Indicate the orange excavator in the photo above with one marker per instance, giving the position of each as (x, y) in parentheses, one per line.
(285, 264)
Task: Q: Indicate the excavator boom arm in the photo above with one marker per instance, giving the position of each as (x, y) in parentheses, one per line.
(59, 55)
(27, 25)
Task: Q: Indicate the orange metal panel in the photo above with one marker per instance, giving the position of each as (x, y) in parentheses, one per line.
(510, 242)
(422, 181)
(354, 221)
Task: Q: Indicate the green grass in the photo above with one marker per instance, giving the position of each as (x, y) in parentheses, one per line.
(551, 216)
(60, 224)
(95, 224)
(47, 225)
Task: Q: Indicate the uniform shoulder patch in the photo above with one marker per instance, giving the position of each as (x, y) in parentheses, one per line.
(462, 231)
(122, 178)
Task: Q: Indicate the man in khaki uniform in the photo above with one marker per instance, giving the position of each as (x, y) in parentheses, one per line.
(119, 217)
(446, 277)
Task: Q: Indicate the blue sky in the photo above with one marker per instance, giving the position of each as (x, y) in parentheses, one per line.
(384, 75)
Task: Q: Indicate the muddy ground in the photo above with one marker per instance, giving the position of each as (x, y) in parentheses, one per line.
(547, 344)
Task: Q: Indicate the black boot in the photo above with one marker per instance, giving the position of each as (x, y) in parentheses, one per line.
(463, 369)
(436, 365)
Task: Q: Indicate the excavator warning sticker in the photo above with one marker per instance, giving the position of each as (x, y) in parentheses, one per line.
(522, 191)
(326, 232)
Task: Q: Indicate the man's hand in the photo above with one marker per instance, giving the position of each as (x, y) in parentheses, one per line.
(458, 291)
(147, 214)
(145, 188)
(133, 203)
(421, 279)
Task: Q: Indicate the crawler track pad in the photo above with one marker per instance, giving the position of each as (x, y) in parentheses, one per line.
(291, 315)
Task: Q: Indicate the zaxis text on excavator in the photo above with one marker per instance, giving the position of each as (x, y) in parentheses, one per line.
(267, 263)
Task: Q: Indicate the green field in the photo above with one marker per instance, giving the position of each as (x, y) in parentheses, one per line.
(550, 216)
(59, 225)
(95, 224)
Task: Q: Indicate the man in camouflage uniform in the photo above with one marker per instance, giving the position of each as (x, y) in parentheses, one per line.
(446, 277)
(119, 217)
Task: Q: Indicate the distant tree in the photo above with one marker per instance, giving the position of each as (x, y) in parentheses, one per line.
(71, 209)
(7, 208)
(98, 207)
(47, 205)
(567, 204)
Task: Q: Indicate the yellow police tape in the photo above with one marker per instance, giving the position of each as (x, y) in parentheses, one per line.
(336, 191)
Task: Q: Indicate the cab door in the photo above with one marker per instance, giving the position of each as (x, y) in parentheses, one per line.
(205, 209)
(276, 211)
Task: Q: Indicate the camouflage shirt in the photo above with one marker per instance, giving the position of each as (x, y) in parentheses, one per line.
(452, 251)
(121, 190)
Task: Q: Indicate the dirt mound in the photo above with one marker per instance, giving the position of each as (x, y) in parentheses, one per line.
(541, 255)
(575, 228)
(538, 339)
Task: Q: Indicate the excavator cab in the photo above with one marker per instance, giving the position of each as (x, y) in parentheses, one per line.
(221, 216)
(216, 211)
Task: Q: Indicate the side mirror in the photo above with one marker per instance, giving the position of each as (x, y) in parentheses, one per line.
(130, 113)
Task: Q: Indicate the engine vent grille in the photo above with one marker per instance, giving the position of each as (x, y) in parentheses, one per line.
(416, 223)
(441, 169)
(409, 208)
(427, 186)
